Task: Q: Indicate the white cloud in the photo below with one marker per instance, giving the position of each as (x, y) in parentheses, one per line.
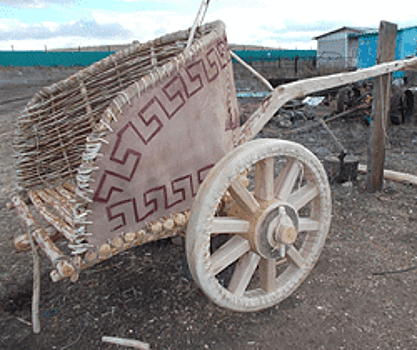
(145, 25)
(286, 24)
(9, 25)
(186, 2)
(58, 42)
(290, 24)
(35, 3)
(52, 26)
(60, 35)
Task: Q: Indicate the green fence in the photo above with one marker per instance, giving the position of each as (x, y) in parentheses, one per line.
(250, 56)
(50, 59)
(70, 59)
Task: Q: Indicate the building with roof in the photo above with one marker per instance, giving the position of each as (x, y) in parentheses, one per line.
(338, 48)
(406, 45)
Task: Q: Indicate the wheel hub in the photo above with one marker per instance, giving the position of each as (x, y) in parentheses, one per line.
(274, 228)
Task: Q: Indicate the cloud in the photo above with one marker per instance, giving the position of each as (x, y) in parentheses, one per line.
(289, 23)
(263, 22)
(146, 25)
(36, 3)
(47, 30)
(160, 32)
(295, 34)
(265, 28)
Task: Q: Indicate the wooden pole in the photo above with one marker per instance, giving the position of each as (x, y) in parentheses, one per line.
(198, 20)
(296, 65)
(36, 325)
(126, 342)
(380, 108)
(252, 70)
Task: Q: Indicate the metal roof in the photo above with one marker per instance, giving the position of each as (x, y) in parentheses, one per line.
(375, 32)
(353, 29)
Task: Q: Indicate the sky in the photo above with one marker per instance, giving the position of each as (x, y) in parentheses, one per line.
(34, 24)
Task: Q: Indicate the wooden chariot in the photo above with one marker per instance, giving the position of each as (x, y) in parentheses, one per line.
(116, 155)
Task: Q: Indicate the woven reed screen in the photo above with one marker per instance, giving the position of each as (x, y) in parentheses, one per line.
(52, 129)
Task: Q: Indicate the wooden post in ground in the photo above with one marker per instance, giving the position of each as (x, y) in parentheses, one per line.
(296, 66)
(380, 108)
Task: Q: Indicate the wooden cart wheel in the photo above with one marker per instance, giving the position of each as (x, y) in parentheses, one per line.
(254, 251)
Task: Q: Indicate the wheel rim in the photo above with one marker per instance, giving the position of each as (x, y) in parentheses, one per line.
(274, 230)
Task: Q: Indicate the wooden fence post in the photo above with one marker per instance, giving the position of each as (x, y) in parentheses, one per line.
(296, 65)
(380, 108)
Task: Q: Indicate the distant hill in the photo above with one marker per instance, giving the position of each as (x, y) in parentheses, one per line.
(251, 47)
(123, 46)
(100, 48)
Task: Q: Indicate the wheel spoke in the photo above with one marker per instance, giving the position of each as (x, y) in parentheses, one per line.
(286, 179)
(243, 273)
(228, 253)
(306, 224)
(294, 257)
(303, 196)
(264, 179)
(267, 270)
(229, 225)
(283, 250)
(243, 197)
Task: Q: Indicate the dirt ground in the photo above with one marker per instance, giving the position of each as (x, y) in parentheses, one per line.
(361, 294)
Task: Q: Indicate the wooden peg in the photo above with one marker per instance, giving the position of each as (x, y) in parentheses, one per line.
(140, 235)
(129, 237)
(21, 243)
(156, 227)
(180, 219)
(91, 257)
(55, 276)
(65, 268)
(117, 242)
(169, 224)
(104, 251)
